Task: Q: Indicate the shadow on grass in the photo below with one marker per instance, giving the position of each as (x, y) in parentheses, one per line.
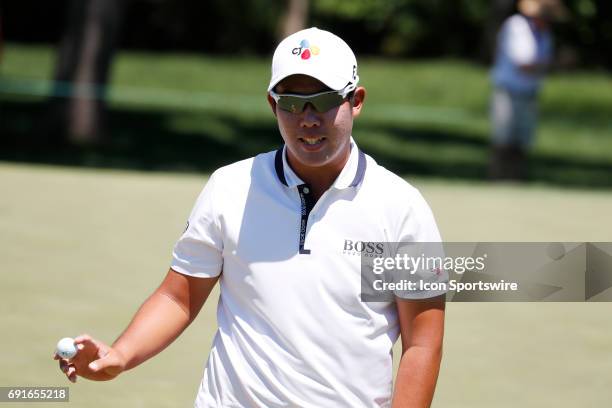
(203, 141)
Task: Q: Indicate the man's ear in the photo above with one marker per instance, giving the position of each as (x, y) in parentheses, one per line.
(357, 100)
(272, 103)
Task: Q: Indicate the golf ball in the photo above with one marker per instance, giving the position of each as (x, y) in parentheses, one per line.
(66, 348)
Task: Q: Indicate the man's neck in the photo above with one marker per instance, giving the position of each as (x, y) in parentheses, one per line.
(319, 183)
(320, 179)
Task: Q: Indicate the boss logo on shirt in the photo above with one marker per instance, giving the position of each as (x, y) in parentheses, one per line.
(362, 248)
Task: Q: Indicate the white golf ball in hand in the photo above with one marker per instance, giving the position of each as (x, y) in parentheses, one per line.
(66, 348)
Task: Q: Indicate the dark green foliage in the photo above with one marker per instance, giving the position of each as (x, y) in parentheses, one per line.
(406, 28)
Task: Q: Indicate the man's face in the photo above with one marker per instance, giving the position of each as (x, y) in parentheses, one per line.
(315, 139)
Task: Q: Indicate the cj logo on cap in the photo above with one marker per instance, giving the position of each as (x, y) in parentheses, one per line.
(305, 50)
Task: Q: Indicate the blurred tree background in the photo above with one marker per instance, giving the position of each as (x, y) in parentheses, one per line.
(178, 84)
(393, 28)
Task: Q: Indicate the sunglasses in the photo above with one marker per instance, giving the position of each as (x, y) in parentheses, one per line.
(322, 101)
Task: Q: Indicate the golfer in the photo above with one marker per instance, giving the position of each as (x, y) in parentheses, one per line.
(283, 233)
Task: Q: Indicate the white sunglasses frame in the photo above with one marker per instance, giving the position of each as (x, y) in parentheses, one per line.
(342, 92)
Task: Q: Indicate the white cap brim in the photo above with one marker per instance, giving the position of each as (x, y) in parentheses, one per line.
(334, 82)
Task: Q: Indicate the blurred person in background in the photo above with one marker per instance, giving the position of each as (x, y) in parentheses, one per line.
(523, 55)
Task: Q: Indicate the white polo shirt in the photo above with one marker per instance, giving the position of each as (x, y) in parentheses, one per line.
(293, 331)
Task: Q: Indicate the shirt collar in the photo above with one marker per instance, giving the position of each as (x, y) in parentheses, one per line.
(351, 175)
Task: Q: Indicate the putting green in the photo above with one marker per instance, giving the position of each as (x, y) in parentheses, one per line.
(81, 249)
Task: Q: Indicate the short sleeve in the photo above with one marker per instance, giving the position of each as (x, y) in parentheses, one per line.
(198, 252)
(418, 224)
(420, 239)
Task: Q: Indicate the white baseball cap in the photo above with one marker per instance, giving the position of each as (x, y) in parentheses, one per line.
(316, 53)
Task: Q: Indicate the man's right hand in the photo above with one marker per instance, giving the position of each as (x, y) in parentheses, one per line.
(94, 360)
(158, 322)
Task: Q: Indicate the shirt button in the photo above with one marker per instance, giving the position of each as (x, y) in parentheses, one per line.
(306, 190)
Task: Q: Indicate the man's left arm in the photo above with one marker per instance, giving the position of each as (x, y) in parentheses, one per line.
(422, 333)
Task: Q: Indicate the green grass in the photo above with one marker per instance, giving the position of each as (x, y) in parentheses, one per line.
(81, 249)
(421, 117)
